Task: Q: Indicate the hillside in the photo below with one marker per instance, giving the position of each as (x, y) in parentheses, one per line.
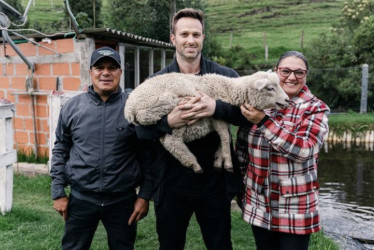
(280, 24)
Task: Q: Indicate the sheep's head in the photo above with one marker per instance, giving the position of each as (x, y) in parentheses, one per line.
(263, 91)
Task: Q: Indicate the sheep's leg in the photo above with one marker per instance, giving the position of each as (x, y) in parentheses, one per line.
(223, 154)
(176, 146)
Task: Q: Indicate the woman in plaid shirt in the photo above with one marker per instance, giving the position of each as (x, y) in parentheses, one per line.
(278, 152)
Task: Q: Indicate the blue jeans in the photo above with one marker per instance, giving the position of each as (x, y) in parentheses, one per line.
(271, 240)
(212, 213)
(84, 217)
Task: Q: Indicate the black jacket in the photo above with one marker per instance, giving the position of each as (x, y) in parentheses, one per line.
(169, 173)
(96, 149)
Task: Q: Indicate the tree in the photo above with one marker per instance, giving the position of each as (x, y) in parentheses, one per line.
(336, 59)
(152, 18)
(91, 8)
(146, 18)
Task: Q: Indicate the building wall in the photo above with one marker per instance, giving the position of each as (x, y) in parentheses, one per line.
(62, 65)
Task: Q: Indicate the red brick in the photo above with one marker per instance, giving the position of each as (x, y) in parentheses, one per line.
(22, 137)
(2, 94)
(9, 69)
(25, 99)
(27, 49)
(41, 110)
(29, 124)
(4, 82)
(44, 51)
(71, 83)
(75, 69)
(42, 99)
(9, 51)
(45, 126)
(21, 69)
(42, 125)
(43, 151)
(47, 83)
(18, 83)
(23, 110)
(39, 126)
(40, 137)
(18, 123)
(61, 69)
(43, 69)
(65, 45)
(11, 97)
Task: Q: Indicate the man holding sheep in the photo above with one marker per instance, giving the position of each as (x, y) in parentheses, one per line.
(179, 192)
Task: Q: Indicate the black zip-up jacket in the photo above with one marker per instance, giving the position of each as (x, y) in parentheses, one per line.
(97, 151)
(169, 174)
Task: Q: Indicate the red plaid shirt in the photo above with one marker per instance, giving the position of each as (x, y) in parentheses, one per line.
(280, 163)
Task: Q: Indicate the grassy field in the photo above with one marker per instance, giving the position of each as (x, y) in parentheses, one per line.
(280, 24)
(45, 12)
(34, 225)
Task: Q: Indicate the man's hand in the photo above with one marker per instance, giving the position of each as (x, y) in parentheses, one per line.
(61, 206)
(251, 114)
(141, 207)
(193, 109)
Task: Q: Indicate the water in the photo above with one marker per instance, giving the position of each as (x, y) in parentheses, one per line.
(346, 176)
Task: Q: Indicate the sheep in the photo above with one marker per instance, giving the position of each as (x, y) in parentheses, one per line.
(158, 95)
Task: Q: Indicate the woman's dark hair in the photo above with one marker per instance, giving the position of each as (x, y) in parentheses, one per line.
(187, 12)
(294, 54)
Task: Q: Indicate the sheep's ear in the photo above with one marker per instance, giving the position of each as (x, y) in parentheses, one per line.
(260, 84)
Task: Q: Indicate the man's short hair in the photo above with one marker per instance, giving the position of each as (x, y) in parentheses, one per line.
(187, 12)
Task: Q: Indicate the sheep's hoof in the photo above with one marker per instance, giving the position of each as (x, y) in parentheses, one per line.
(198, 171)
(218, 162)
(229, 169)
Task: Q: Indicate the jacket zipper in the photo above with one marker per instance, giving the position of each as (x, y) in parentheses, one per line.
(102, 147)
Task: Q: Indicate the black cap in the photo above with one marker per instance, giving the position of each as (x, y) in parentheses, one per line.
(105, 52)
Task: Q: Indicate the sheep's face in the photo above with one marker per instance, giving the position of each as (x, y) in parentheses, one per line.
(266, 91)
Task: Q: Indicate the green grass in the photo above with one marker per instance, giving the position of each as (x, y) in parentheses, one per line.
(34, 225)
(46, 13)
(353, 122)
(282, 21)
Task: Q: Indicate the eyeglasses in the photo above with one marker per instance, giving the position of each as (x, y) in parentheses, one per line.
(298, 73)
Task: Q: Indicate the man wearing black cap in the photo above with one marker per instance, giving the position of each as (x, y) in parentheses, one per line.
(97, 154)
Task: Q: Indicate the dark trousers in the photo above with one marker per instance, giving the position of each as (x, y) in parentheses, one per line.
(270, 240)
(212, 213)
(83, 219)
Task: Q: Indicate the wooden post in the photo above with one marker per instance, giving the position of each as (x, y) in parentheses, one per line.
(231, 35)
(266, 47)
(364, 88)
(8, 156)
(302, 39)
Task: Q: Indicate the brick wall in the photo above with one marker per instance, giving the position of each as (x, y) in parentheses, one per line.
(49, 65)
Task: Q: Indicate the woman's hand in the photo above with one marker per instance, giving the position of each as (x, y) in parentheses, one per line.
(251, 114)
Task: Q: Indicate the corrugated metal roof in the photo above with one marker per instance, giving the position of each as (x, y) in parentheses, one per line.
(125, 37)
(104, 34)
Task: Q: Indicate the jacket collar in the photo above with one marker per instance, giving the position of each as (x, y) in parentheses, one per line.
(97, 99)
(203, 66)
(303, 96)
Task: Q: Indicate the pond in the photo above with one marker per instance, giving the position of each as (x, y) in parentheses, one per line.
(346, 176)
